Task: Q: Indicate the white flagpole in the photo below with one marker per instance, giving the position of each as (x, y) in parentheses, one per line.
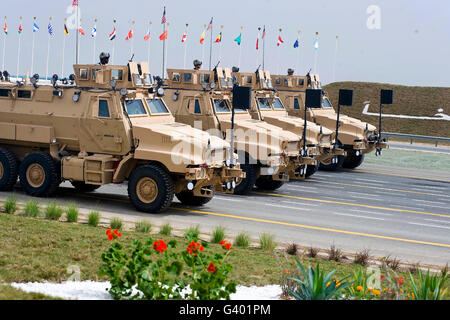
(148, 45)
(278, 52)
(257, 49)
(79, 43)
(315, 54)
(48, 50)
(18, 50)
(220, 44)
(114, 43)
(167, 48)
(32, 48)
(335, 59)
(132, 39)
(63, 51)
(185, 46)
(4, 47)
(240, 49)
(298, 53)
(203, 44)
(95, 39)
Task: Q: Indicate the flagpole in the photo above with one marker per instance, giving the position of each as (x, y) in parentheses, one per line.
(263, 43)
(210, 44)
(132, 39)
(315, 54)
(79, 44)
(278, 53)
(335, 59)
(257, 49)
(32, 48)
(164, 44)
(18, 50)
(77, 41)
(185, 46)
(240, 49)
(48, 49)
(148, 46)
(298, 53)
(220, 45)
(114, 42)
(203, 46)
(63, 50)
(95, 39)
(4, 47)
(167, 47)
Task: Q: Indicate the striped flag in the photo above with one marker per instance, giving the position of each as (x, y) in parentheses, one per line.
(35, 27)
(202, 37)
(163, 20)
(75, 3)
(210, 24)
(94, 32)
(280, 41)
(183, 39)
(112, 35)
(5, 29)
(219, 38)
(164, 35)
(81, 31)
(50, 29)
(130, 34)
(20, 29)
(147, 36)
(66, 31)
(264, 33)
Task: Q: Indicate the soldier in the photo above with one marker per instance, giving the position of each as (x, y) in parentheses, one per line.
(197, 64)
(290, 72)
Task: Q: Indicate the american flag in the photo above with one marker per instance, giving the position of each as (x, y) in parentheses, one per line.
(264, 33)
(50, 29)
(75, 3)
(210, 24)
(163, 20)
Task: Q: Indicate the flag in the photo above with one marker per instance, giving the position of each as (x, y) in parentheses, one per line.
(280, 41)
(183, 39)
(94, 32)
(316, 44)
(264, 33)
(66, 31)
(75, 3)
(202, 37)
(35, 27)
(238, 39)
(163, 20)
(257, 43)
(112, 35)
(50, 29)
(164, 35)
(20, 29)
(147, 36)
(5, 29)
(130, 34)
(219, 38)
(210, 24)
(296, 43)
(81, 31)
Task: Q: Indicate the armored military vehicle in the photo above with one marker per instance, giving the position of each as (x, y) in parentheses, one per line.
(267, 106)
(92, 131)
(268, 155)
(357, 138)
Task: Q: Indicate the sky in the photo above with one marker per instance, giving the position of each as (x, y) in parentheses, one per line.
(388, 41)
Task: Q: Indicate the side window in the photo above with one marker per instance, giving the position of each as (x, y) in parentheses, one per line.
(135, 107)
(103, 110)
(84, 74)
(197, 109)
(117, 74)
(94, 72)
(277, 80)
(4, 92)
(24, 94)
(187, 77)
(176, 77)
(296, 104)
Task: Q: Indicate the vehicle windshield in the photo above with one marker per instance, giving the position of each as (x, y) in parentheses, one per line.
(221, 105)
(326, 103)
(277, 105)
(135, 107)
(157, 106)
(263, 103)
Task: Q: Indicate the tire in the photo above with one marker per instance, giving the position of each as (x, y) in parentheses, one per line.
(244, 186)
(80, 186)
(159, 181)
(39, 175)
(332, 166)
(310, 170)
(187, 198)
(352, 161)
(9, 170)
(267, 183)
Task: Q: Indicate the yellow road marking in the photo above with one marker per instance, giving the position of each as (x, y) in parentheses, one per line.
(354, 204)
(398, 175)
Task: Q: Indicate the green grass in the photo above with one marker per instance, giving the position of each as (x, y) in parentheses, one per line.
(166, 229)
(11, 293)
(411, 159)
(192, 233)
(53, 211)
(11, 205)
(116, 223)
(266, 241)
(72, 213)
(242, 240)
(218, 234)
(93, 218)
(143, 226)
(32, 209)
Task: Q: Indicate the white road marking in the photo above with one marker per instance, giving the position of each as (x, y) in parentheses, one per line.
(229, 199)
(440, 221)
(365, 194)
(431, 206)
(287, 207)
(432, 202)
(376, 181)
(429, 225)
(302, 203)
(356, 216)
(371, 212)
(302, 187)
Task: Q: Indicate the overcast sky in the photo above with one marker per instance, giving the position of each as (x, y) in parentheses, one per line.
(409, 44)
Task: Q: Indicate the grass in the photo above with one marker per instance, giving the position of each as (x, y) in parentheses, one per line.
(41, 250)
(218, 234)
(143, 226)
(32, 209)
(72, 213)
(116, 223)
(192, 233)
(53, 211)
(166, 229)
(11, 205)
(266, 241)
(93, 218)
(242, 240)
(11, 293)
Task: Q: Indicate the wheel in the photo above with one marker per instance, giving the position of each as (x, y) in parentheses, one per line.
(352, 161)
(150, 189)
(84, 187)
(8, 170)
(310, 170)
(332, 166)
(267, 183)
(187, 198)
(39, 175)
(244, 186)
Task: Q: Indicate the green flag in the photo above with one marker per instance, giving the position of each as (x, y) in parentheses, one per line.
(238, 39)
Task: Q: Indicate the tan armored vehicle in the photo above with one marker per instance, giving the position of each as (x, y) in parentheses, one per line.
(267, 106)
(356, 137)
(94, 131)
(268, 155)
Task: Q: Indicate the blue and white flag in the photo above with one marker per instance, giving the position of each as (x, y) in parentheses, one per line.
(50, 29)
(35, 27)
(296, 44)
(316, 44)
(94, 32)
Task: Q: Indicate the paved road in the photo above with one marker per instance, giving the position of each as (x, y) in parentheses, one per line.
(397, 212)
(419, 147)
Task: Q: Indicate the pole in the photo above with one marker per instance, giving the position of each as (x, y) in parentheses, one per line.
(220, 44)
(185, 46)
(4, 47)
(95, 39)
(167, 47)
(203, 46)
(278, 52)
(335, 59)
(315, 54)
(263, 43)
(77, 44)
(148, 45)
(132, 39)
(63, 50)
(257, 49)
(164, 52)
(210, 45)
(32, 48)
(240, 49)
(114, 42)
(298, 53)
(18, 51)
(48, 50)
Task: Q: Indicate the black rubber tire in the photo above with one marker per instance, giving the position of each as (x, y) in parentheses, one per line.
(80, 186)
(352, 161)
(165, 187)
(52, 176)
(310, 170)
(10, 170)
(247, 184)
(267, 183)
(332, 166)
(187, 198)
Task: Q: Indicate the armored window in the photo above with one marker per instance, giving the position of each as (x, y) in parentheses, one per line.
(249, 79)
(137, 80)
(197, 109)
(117, 74)
(221, 105)
(263, 103)
(135, 108)
(4, 92)
(296, 104)
(94, 72)
(286, 82)
(24, 94)
(300, 82)
(277, 104)
(148, 78)
(326, 103)
(103, 110)
(187, 77)
(277, 80)
(204, 78)
(84, 74)
(176, 77)
(157, 106)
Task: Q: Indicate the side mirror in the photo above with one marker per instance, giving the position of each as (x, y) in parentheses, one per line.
(242, 97)
(387, 96)
(345, 97)
(313, 98)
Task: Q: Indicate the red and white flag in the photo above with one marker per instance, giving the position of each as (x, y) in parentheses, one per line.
(147, 36)
(130, 35)
(75, 3)
(183, 39)
(164, 35)
(81, 31)
(280, 41)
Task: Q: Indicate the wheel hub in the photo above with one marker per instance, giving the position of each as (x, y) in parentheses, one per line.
(35, 175)
(147, 190)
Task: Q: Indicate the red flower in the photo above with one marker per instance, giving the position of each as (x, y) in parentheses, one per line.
(212, 268)
(108, 232)
(113, 234)
(110, 237)
(225, 244)
(193, 248)
(160, 246)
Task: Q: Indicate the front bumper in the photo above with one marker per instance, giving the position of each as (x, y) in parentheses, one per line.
(327, 153)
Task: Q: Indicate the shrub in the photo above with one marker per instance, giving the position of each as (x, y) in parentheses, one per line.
(72, 213)
(242, 240)
(32, 209)
(218, 234)
(292, 249)
(335, 254)
(360, 288)
(116, 223)
(414, 268)
(428, 287)
(266, 241)
(93, 218)
(362, 257)
(312, 252)
(392, 263)
(11, 205)
(288, 270)
(143, 226)
(53, 211)
(192, 233)
(166, 229)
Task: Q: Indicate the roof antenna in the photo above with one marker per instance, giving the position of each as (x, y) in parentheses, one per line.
(131, 60)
